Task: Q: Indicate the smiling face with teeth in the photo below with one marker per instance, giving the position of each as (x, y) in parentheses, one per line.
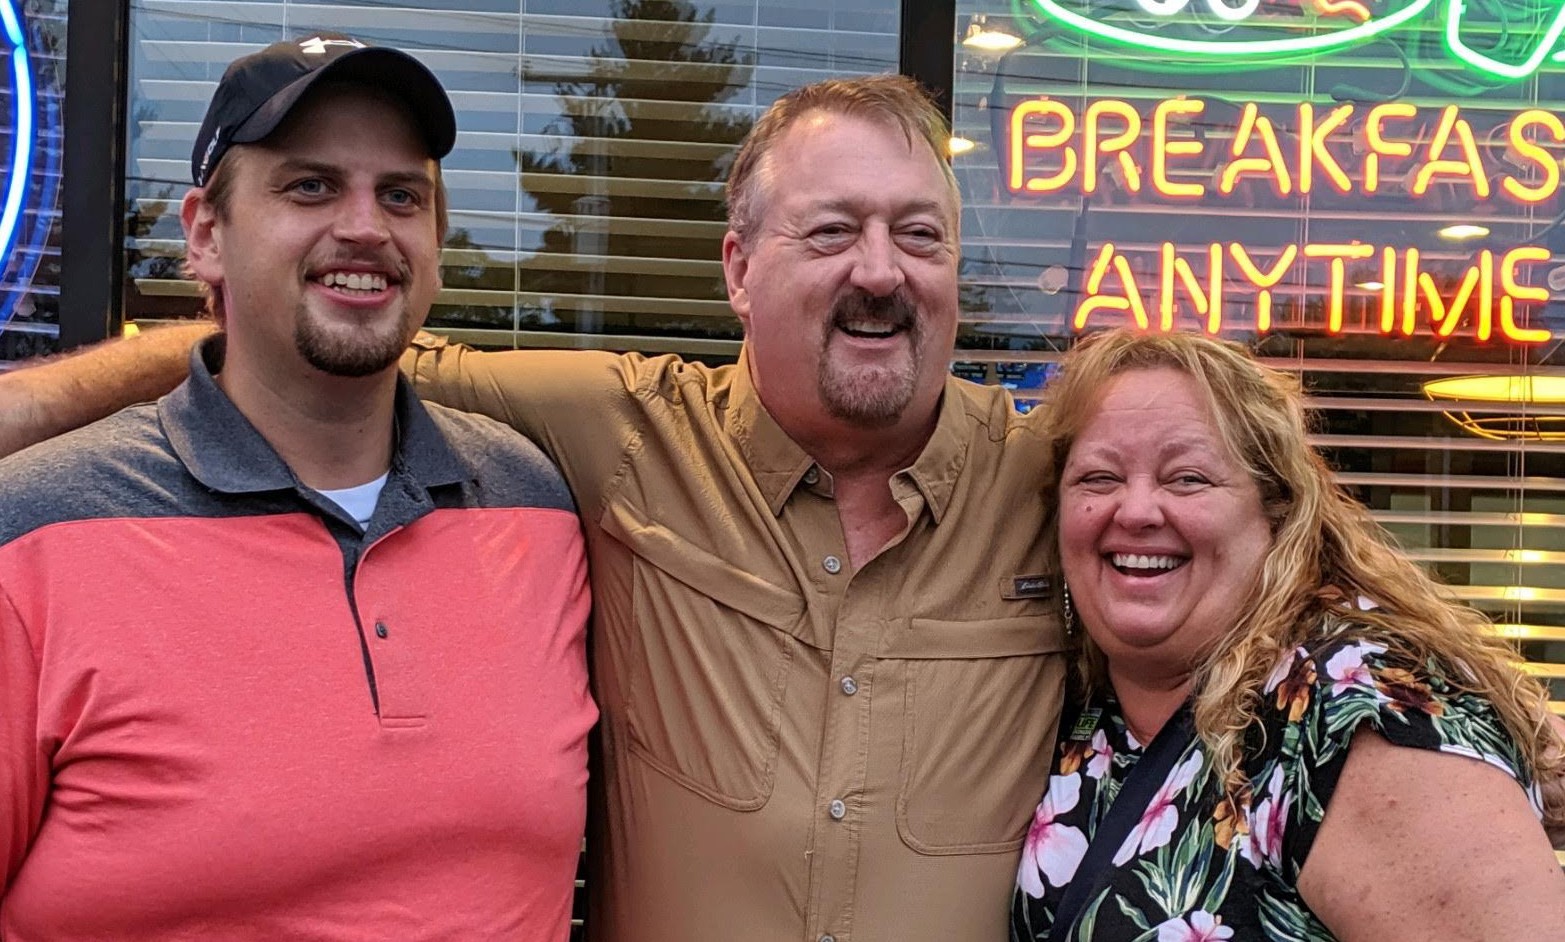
(1162, 530)
(327, 252)
(847, 284)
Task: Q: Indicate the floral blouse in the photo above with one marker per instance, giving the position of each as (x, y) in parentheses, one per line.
(1204, 866)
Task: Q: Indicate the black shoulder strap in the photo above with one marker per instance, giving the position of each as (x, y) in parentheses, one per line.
(1140, 786)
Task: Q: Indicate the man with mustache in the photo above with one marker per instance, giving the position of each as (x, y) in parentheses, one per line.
(824, 639)
(230, 707)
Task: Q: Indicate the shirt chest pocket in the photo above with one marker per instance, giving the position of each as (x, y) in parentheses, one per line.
(981, 704)
(707, 664)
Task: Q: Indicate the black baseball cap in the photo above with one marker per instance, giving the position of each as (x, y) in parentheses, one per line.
(257, 91)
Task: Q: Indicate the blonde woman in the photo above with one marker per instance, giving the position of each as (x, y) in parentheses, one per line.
(1328, 748)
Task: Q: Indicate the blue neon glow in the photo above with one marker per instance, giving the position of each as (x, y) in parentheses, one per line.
(22, 146)
(18, 265)
(13, 26)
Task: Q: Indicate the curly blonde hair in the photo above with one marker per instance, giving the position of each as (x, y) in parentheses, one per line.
(1326, 551)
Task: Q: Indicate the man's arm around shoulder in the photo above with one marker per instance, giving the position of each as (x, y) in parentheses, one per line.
(62, 393)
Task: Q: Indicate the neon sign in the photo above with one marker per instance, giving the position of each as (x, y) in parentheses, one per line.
(1248, 35)
(1052, 148)
(20, 264)
(1149, 151)
(1489, 299)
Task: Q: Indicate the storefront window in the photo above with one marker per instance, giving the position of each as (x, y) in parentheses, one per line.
(32, 83)
(586, 185)
(1365, 190)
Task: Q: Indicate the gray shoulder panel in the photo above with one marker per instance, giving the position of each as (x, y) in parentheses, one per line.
(508, 470)
(119, 467)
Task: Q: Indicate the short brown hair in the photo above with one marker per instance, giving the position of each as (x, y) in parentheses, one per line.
(894, 100)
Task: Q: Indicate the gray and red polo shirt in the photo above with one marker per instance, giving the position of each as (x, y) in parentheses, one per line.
(226, 712)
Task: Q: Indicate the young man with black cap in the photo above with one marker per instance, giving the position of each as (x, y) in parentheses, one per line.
(229, 705)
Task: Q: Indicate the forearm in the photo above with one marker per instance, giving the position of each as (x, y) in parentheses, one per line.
(59, 394)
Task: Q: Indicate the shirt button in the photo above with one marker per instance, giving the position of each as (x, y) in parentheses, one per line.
(380, 629)
(832, 565)
(828, 938)
(837, 809)
(812, 476)
(850, 686)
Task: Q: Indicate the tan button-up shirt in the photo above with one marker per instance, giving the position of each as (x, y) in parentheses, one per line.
(792, 749)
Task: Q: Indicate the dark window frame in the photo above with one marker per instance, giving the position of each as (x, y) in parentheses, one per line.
(92, 204)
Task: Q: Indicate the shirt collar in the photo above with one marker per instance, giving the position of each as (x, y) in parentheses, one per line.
(223, 451)
(779, 465)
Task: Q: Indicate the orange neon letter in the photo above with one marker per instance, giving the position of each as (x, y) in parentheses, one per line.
(1208, 303)
(1093, 146)
(1410, 275)
(1264, 280)
(1312, 148)
(1254, 125)
(1469, 166)
(1548, 165)
(1375, 140)
(1164, 149)
(1337, 287)
(1129, 301)
(1446, 319)
(1022, 142)
(1516, 291)
(1388, 274)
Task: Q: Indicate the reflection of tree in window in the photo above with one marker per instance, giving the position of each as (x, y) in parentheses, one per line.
(644, 139)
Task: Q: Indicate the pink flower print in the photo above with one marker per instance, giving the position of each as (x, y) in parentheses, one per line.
(1052, 850)
(1159, 820)
(1267, 822)
(1346, 667)
(1102, 756)
(1202, 927)
(1284, 668)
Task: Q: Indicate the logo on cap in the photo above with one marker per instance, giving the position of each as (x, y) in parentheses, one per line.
(206, 158)
(316, 45)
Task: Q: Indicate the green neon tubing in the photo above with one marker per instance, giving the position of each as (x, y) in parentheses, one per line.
(1293, 46)
(1479, 62)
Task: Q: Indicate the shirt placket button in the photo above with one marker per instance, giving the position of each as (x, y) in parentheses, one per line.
(832, 565)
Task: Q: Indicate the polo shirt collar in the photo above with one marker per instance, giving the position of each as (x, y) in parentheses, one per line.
(779, 465)
(223, 451)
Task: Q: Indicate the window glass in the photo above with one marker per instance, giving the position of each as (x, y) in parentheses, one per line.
(586, 184)
(1364, 190)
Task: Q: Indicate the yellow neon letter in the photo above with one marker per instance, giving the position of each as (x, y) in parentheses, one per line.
(1253, 124)
(1129, 301)
(1163, 149)
(1410, 275)
(1022, 142)
(1208, 302)
(1469, 166)
(1263, 280)
(1446, 319)
(1374, 139)
(1094, 147)
(1515, 291)
(1336, 288)
(1527, 149)
(1312, 147)
(1388, 274)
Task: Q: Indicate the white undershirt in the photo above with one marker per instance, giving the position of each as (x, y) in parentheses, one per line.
(358, 502)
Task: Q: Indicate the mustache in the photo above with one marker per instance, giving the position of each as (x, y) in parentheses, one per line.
(896, 308)
(382, 261)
